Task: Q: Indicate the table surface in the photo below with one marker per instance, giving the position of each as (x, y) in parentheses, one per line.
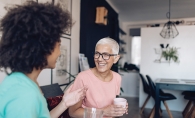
(175, 81)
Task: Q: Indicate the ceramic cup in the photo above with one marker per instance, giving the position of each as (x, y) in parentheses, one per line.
(120, 101)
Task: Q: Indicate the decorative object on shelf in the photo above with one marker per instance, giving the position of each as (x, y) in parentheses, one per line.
(167, 54)
(169, 30)
(101, 15)
(24, 1)
(122, 32)
(153, 25)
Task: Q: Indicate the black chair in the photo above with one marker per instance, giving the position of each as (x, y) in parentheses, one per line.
(51, 90)
(189, 110)
(146, 89)
(162, 97)
(52, 93)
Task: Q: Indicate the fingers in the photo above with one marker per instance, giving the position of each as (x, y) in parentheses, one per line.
(84, 88)
(119, 110)
(127, 108)
(81, 93)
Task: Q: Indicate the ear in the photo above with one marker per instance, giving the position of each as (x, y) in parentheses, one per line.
(116, 58)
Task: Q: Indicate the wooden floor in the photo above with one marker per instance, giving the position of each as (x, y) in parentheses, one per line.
(133, 110)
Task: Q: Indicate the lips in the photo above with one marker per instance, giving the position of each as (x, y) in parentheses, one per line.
(101, 64)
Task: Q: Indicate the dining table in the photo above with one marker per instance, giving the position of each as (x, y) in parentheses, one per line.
(171, 84)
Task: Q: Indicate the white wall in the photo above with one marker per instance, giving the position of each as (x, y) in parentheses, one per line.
(45, 76)
(184, 70)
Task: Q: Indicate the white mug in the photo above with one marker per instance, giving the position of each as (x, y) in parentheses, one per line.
(120, 101)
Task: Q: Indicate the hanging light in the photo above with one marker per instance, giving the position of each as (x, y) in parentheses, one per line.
(169, 30)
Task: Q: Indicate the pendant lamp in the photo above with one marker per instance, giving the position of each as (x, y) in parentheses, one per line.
(169, 30)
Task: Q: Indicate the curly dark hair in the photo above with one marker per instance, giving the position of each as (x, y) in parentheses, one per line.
(29, 34)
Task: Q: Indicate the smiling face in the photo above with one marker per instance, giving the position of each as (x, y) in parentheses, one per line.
(101, 64)
(52, 58)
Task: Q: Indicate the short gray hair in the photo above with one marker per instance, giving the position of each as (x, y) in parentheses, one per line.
(113, 44)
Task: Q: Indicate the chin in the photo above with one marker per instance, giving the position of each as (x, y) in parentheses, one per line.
(101, 70)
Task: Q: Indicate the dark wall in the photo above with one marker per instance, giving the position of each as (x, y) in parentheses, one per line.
(90, 32)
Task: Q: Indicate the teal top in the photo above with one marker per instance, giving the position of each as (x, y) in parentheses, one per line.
(20, 97)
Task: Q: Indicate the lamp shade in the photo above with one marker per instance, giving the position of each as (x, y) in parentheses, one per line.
(169, 30)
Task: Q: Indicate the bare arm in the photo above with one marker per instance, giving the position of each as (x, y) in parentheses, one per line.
(76, 111)
(68, 100)
(58, 110)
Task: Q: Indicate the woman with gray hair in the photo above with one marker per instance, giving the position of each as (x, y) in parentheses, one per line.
(103, 84)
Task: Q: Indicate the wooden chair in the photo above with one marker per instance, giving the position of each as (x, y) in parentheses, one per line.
(163, 97)
(189, 104)
(147, 90)
(189, 111)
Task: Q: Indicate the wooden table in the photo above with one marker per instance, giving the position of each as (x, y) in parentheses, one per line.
(171, 84)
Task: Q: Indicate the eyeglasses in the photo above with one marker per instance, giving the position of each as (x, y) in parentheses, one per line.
(105, 56)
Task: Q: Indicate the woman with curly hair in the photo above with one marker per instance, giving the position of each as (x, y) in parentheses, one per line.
(30, 42)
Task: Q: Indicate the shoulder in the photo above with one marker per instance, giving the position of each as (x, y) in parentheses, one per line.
(25, 92)
(19, 94)
(116, 75)
(84, 74)
(17, 85)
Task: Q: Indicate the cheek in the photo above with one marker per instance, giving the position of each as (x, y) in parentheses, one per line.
(59, 52)
(110, 62)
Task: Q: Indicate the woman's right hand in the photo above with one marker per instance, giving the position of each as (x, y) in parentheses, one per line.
(72, 98)
(114, 110)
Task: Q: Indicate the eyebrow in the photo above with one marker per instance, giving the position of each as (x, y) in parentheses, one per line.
(103, 52)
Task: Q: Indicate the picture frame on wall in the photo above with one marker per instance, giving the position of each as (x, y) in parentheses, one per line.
(66, 5)
(63, 64)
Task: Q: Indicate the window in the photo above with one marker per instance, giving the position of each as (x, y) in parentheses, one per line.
(136, 50)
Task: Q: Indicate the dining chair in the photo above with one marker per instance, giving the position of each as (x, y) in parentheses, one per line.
(189, 110)
(51, 90)
(146, 89)
(162, 97)
(189, 104)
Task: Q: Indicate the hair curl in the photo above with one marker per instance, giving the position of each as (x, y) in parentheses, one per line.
(29, 34)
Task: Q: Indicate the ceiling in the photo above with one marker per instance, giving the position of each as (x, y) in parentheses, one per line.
(147, 10)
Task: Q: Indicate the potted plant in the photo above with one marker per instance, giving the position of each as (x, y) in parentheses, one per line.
(170, 54)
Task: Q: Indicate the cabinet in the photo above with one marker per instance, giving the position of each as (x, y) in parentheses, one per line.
(130, 83)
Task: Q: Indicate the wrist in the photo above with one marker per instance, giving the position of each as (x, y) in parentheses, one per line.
(104, 111)
(63, 104)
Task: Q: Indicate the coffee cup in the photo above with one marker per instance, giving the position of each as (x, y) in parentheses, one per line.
(120, 101)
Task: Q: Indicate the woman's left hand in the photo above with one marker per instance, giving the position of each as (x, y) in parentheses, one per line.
(114, 110)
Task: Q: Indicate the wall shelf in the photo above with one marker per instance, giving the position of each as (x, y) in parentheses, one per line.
(121, 31)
